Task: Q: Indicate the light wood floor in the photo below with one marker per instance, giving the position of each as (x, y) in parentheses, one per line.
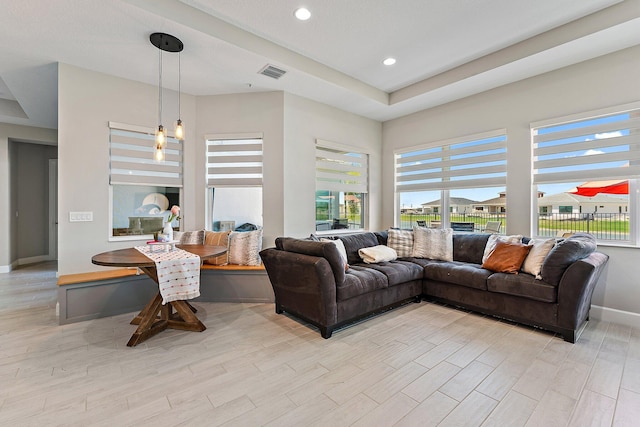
(420, 365)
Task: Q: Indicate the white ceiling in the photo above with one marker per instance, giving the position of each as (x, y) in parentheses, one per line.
(446, 49)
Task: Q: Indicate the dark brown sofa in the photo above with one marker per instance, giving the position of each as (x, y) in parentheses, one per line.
(310, 282)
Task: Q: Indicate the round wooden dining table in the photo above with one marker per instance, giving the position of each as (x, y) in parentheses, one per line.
(155, 317)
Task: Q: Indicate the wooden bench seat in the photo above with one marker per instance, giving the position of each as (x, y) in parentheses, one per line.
(94, 276)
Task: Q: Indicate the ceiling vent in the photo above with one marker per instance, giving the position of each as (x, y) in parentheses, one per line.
(271, 71)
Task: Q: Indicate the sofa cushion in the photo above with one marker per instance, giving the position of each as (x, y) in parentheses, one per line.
(540, 248)
(353, 242)
(327, 250)
(383, 237)
(565, 253)
(401, 241)
(469, 247)
(360, 280)
(434, 243)
(459, 273)
(398, 272)
(507, 257)
(522, 285)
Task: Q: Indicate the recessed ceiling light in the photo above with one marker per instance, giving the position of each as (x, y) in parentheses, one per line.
(302, 14)
(389, 61)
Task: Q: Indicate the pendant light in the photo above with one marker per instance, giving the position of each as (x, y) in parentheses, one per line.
(167, 43)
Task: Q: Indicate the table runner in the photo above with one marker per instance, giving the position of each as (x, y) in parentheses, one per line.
(178, 273)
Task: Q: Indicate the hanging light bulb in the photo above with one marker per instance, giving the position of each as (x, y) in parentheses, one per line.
(179, 130)
(161, 137)
(158, 153)
(179, 126)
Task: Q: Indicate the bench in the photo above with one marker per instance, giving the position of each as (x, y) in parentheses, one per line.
(96, 294)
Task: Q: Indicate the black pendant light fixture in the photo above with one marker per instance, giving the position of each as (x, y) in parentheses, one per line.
(166, 43)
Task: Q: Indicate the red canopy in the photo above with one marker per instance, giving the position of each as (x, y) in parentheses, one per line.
(590, 189)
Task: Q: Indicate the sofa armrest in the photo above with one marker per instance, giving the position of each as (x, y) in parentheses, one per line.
(576, 289)
(303, 284)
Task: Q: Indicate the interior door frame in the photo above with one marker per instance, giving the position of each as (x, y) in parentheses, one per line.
(53, 209)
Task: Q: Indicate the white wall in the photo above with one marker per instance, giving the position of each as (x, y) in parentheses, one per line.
(601, 82)
(87, 101)
(8, 244)
(305, 121)
(247, 113)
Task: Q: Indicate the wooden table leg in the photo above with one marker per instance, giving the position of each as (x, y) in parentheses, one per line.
(188, 321)
(149, 324)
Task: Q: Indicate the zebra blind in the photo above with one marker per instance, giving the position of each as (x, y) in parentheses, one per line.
(602, 145)
(131, 161)
(338, 169)
(234, 162)
(469, 162)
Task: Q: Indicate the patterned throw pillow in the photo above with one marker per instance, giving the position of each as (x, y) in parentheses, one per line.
(217, 238)
(433, 243)
(507, 257)
(245, 247)
(401, 241)
(190, 237)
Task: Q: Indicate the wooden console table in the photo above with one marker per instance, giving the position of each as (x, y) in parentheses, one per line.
(155, 317)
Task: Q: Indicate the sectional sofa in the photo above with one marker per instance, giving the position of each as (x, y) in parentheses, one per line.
(327, 283)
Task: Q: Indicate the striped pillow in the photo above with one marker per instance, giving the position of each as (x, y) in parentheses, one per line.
(401, 241)
(217, 238)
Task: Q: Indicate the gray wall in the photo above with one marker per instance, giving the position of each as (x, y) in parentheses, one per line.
(30, 174)
(8, 186)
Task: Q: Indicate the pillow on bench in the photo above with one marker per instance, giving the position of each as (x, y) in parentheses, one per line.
(244, 247)
(217, 238)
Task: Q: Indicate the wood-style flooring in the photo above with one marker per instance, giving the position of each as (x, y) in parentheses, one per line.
(419, 365)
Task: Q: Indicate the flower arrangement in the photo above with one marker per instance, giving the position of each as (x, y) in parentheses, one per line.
(175, 213)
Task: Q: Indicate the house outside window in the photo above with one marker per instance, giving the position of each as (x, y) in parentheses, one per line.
(342, 183)
(142, 191)
(234, 181)
(455, 181)
(587, 165)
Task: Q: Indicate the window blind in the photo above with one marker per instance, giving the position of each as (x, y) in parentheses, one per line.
(131, 158)
(234, 162)
(468, 162)
(601, 145)
(341, 170)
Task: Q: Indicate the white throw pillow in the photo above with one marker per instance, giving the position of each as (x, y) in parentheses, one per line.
(433, 243)
(491, 243)
(245, 247)
(401, 241)
(540, 249)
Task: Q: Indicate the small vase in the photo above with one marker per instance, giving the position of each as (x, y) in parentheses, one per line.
(168, 231)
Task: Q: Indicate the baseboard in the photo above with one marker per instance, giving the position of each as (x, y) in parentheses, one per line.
(8, 268)
(616, 316)
(33, 259)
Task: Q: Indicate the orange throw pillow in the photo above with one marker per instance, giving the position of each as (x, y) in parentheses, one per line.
(507, 257)
(217, 238)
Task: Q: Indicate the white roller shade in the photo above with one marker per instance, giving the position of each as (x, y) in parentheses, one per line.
(341, 170)
(469, 162)
(599, 145)
(131, 161)
(234, 162)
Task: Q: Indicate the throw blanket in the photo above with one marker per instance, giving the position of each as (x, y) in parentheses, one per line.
(178, 273)
(378, 253)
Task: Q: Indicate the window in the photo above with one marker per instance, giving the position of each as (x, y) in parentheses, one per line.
(142, 191)
(234, 180)
(460, 177)
(341, 187)
(585, 165)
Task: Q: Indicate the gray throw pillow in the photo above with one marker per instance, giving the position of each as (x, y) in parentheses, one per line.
(565, 253)
(245, 247)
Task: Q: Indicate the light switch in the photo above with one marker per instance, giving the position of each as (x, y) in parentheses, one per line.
(80, 216)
